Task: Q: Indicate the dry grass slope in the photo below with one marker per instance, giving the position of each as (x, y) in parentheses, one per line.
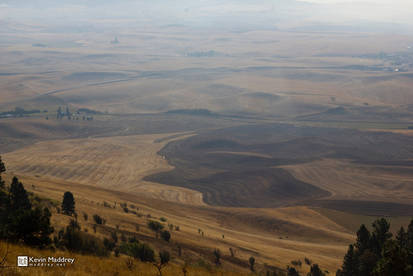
(275, 237)
(90, 265)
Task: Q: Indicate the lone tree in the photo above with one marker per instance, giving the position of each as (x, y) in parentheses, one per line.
(252, 263)
(68, 114)
(59, 113)
(166, 235)
(98, 219)
(232, 252)
(2, 170)
(155, 226)
(2, 166)
(19, 198)
(68, 204)
(164, 258)
(217, 255)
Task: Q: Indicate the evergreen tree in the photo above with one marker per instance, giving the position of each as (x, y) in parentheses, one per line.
(350, 264)
(155, 226)
(31, 226)
(380, 235)
(44, 225)
(291, 271)
(409, 236)
(401, 238)
(365, 257)
(217, 255)
(98, 219)
(315, 271)
(394, 261)
(409, 242)
(18, 221)
(366, 262)
(2, 166)
(2, 170)
(164, 258)
(72, 238)
(2, 184)
(166, 235)
(4, 202)
(251, 261)
(18, 196)
(377, 254)
(22, 223)
(4, 212)
(68, 204)
(363, 239)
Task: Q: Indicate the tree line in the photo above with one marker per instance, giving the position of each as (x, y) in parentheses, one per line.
(378, 253)
(60, 114)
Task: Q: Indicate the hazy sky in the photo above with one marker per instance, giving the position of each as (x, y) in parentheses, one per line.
(265, 12)
(405, 3)
(393, 5)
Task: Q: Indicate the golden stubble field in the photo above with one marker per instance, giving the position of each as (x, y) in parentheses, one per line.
(110, 170)
(117, 163)
(351, 181)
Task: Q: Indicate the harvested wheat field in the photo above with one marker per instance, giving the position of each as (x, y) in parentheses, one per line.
(117, 163)
(348, 180)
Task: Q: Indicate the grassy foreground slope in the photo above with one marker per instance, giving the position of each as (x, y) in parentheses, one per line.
(272, 236)
(91, 265)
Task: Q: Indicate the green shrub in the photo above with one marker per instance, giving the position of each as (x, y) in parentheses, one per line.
(98, 219)
(141, 251)
(165, 235)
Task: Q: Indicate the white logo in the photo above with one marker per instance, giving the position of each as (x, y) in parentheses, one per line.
(22, 261)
